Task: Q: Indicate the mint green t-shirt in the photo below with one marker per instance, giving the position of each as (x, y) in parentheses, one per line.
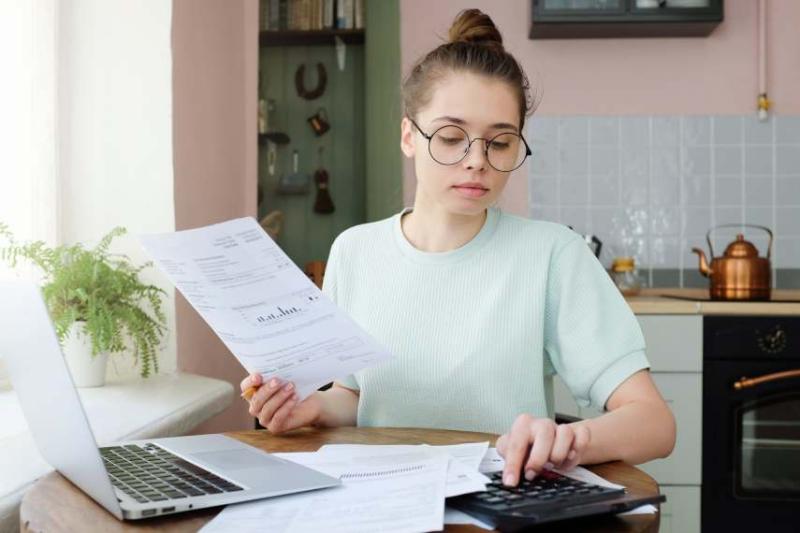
(478, 332)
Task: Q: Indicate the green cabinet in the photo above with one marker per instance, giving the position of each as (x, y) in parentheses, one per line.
(360, 151)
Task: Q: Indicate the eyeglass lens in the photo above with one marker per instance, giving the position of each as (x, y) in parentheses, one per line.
(450, 144)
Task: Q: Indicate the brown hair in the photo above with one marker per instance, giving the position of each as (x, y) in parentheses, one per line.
(475, 45)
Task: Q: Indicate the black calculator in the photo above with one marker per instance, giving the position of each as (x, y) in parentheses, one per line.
(550, 496)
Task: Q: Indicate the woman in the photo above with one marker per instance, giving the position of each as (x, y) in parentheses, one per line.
(479, 307)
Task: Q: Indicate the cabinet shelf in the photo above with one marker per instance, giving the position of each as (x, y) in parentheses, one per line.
(622, 18)
(309, 37)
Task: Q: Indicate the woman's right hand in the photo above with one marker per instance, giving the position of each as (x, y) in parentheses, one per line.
(276, 405)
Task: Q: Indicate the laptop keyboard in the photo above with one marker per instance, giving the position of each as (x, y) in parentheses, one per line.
(547, 488)
(149, 473)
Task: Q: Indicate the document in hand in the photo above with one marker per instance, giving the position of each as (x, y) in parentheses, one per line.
(266, 311)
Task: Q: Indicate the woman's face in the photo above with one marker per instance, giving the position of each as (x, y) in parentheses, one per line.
(481, 106)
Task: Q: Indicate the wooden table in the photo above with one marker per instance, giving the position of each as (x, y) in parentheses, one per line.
(54, 504)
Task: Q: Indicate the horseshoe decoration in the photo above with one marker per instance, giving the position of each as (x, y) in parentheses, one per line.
(299, 82)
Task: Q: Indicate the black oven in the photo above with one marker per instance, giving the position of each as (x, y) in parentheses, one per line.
(751, 423)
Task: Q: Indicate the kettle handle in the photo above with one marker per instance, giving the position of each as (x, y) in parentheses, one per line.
(711, 248)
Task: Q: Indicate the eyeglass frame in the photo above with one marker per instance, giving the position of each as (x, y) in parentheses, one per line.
(486, 142)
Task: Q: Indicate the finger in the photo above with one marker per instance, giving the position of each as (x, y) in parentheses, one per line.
(562, 444)
(274, 403)
(501, 444)
(543, 434)
(583, 438)
(573, 459)
(580, 444)
(281, 418)
(263, 394)
(252, 380)
(519, 440)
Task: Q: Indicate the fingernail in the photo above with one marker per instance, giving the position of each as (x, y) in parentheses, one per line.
(289, 387)
(571, 455)
(273, 383)
(508, 479)
(529, 475)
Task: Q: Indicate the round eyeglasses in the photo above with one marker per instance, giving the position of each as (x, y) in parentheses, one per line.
(450, 144)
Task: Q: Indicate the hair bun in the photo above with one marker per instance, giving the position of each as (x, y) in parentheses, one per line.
(474, 26)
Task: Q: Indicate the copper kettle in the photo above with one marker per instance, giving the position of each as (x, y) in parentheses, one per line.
(740, 274)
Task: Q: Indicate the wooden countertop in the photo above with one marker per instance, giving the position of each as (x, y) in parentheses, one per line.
(658, 302)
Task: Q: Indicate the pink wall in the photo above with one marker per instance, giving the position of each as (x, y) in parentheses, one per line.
(713, 75)
(215, 74)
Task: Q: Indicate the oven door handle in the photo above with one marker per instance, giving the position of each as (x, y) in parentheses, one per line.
(746, 382)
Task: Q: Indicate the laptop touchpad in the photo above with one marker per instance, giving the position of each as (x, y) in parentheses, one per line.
(233, 459)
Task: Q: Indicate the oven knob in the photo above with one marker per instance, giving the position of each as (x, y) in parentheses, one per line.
(773, 341)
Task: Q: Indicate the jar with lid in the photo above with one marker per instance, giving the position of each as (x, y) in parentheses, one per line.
(623, 272)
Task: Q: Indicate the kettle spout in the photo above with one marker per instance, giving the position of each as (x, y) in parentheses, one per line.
(704, 268)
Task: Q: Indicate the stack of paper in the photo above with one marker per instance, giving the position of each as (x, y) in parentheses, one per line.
(384, 488)
(397, 488)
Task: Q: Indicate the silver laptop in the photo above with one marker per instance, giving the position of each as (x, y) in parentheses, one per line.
(136, 479)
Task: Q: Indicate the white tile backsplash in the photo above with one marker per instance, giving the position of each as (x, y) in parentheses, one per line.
(664, 190)
(728, 159)
(757, 132)
(787, 130)
(605, 190)
(696, 160)
(664, 160)
(787, 190)
(604, 160)
(604, 131)
(573, 130)
(634, 131)
(727, 130)
(666, 131)
(696, 191)
(760, 216)
(573, 159)
(574, 190)
(758, 159)
(652, 186)
(695, 130)
(728, 191)
(787, 159)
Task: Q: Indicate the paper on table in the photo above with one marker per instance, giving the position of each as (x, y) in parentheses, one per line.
(377, 494)
(392, 497)
(462, 472)
(268, 313)
(469, 453)
(493, 462)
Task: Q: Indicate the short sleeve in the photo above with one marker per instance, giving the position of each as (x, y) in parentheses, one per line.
(349, 382)
(592, 338)
(329, 288)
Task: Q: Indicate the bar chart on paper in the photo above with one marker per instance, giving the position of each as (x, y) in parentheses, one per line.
(291, 306)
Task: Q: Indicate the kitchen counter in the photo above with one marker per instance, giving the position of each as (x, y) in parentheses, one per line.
(656, 302)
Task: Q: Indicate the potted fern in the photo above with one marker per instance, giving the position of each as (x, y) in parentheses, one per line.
(97, 302)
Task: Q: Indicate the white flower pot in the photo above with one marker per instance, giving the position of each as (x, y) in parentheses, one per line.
(87, 371)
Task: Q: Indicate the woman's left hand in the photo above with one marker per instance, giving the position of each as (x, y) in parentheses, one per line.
(534, 442)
